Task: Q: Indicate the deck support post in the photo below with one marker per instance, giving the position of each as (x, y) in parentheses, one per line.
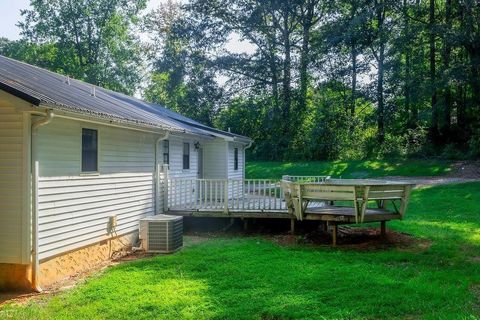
(245, 224)
(334, 234)
(292, 226)
(325, 226)
(383, 229)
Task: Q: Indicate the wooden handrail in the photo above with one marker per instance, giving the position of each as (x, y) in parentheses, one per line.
(224, 195)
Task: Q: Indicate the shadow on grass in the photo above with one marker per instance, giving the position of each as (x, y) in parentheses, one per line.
(348, 169)
(251, 278)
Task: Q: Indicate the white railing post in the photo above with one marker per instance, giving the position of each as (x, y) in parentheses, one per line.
(225, 197)
(157, 189)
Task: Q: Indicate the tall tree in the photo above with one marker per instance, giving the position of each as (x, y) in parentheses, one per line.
(433, 70)
(378, 50)
(180, 77)
(93, 39)
(446, 55)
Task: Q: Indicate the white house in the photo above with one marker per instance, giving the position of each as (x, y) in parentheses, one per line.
(72, 156)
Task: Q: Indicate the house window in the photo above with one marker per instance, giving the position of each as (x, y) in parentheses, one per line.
(186, 155)
(235, 159)
(166, 152)
(89, 150)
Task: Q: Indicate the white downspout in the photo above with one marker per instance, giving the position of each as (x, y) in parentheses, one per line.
(157, 171)
(34, 170)
(244, 159)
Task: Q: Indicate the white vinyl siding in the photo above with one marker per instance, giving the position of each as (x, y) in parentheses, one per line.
(176, 158)
(74, 209)
(232, 173)
(176, 166)
(13, 192)
(215, 159)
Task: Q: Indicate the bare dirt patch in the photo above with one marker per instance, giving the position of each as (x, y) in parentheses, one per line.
(361, 239)
(475, 259)
(72, 281)
(465, 169)
(475, 289)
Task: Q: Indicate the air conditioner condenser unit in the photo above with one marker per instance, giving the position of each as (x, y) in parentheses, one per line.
(161, 233)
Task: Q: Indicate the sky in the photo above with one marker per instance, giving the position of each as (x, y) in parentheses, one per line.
(11, 15)
(10, 10)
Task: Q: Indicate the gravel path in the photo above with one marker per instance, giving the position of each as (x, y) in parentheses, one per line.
(462, 171)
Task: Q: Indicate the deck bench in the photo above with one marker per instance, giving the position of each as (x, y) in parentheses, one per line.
(348, 200)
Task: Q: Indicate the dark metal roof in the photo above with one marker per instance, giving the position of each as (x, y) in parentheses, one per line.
(41, 87)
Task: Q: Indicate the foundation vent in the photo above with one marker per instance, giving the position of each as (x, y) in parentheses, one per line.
(161, 233)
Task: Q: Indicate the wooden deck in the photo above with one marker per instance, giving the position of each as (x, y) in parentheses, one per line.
(318, 211)
(296, 198)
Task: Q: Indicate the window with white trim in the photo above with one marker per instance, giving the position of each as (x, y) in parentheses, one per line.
(235, 159)
(89, 150)
(166, 152)
(186, 156)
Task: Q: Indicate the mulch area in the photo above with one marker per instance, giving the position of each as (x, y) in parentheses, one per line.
(357, 238)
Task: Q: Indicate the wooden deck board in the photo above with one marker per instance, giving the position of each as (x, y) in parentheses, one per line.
(234, 214)
(325, 213)
(347, 214)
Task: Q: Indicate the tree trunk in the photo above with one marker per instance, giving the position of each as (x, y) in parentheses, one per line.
(353, 54)
(447, 106)
(380, 98)
(473, 114)
(380, 72)
(462, 122)
(354, 80)
(287, 94)
(305, 55)
(433, 72)
(411, 116)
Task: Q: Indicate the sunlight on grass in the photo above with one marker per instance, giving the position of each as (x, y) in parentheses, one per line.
(252, 278)
(347, 169)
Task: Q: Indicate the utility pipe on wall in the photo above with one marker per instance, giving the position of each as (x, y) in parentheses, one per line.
(34, 174)
(157, 171)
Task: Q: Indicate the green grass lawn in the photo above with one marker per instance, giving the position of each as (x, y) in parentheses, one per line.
(348, 169)
(253, 278)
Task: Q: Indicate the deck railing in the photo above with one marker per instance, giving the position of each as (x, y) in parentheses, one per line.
(225, 195)
(305, 179)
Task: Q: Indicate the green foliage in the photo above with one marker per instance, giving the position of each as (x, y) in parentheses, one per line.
(41, 55)
(347, 169)
(373, 78)
(179, 78)
(338, 79)
(85, 39)
(252, 278)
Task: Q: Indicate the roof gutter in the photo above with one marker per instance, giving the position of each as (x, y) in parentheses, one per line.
(73, 116)
(123, 125)
(34, 169)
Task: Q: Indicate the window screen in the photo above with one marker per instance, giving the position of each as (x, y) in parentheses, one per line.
(235, 159)
(166, 152)
(186, 155)
(89, 150)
